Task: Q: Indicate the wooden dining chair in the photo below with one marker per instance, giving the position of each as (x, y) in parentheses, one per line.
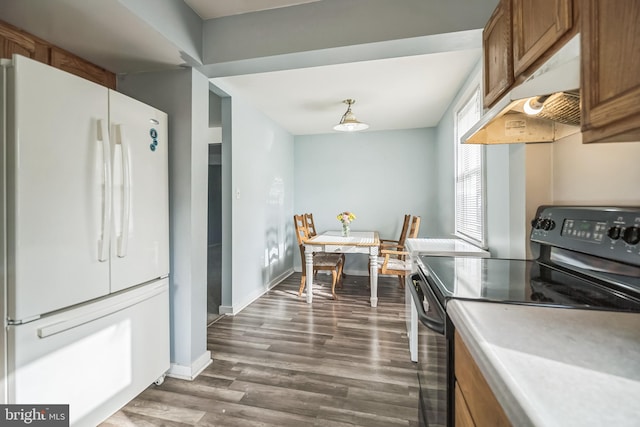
(321, 260)
(414, 229)
(311, 225)
(397, 244)
(395, 262)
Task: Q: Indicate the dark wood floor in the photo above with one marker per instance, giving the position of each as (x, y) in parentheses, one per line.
(282, 362)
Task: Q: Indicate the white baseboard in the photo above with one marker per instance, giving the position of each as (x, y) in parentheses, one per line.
(225, 309)
(190, 372)
(235, 309)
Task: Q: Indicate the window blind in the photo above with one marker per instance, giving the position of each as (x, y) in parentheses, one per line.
(469, 186)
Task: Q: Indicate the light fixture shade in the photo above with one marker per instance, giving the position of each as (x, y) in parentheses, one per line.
(348, 122)
(533, 106)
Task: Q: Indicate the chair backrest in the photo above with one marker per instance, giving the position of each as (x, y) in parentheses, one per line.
(405, 228)
(302, 234)
(302, 231)
(311, 226)
(415, 227)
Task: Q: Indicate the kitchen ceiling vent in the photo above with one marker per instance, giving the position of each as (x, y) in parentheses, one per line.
(543, 108)
(562, 107)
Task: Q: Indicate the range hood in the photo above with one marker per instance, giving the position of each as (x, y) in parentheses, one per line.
(555, 87)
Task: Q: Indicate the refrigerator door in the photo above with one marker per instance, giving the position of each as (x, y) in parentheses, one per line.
(95, 357)
(140, 239)
(57, 189)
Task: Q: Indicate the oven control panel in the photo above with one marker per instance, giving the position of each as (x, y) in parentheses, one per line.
(608, 232)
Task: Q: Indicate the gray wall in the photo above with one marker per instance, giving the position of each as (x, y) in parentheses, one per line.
(257, 200)
(380, 176)
(336, 23)
(184, 96)
(174, 20)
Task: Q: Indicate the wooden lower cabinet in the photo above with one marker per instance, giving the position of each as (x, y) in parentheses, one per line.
(15, 41)
(475, 403)
(463, 414)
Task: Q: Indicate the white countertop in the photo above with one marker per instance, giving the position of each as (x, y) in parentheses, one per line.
(444, 247)
(555, 367)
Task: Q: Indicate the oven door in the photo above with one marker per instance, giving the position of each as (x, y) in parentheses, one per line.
(432, 355)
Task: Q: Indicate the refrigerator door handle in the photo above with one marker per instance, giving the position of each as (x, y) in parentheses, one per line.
(103, 243)
(71, 323)
(123, 240)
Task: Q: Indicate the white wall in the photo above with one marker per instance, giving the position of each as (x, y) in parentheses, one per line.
(261, 196)
(517, 180)
(563, 172)
(184, 95)
(444, 167)
(380, 176)
(602, 173)
(498, 199)
(445, 135)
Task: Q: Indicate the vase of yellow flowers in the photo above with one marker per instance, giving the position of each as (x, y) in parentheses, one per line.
(345, 218)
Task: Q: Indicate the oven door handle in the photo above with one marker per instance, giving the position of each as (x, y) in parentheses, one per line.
(436, 324)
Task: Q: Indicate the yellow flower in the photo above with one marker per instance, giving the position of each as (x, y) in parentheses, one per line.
(346, 216)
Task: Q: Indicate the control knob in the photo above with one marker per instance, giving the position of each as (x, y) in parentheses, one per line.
(614, 232)
(631, 235)
(535, 223)
(548, 224)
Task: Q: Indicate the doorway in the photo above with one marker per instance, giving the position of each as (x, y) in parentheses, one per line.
(214, 234)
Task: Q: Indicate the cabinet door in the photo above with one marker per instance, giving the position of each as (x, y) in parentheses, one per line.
(13, 41)
(78, 66)
(463, 415)
(610, 63)
(481, 404)
(537, 26)
(498, 62)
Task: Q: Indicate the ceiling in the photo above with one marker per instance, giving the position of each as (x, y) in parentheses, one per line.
(395, 93)
(392, 93)
(210, 9)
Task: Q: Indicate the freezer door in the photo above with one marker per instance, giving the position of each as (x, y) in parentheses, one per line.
(96, 357)
(57, 187)
(140, 239)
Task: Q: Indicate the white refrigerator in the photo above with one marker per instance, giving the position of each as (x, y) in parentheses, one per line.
(84, 242)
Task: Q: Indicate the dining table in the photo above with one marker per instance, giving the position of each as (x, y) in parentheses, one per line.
(363, 242)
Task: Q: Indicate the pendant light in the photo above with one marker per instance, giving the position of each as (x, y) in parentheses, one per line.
(348, 122)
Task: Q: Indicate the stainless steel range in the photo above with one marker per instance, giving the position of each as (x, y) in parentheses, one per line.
(586, 258)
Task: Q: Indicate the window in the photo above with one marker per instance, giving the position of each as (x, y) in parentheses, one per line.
(469, 168)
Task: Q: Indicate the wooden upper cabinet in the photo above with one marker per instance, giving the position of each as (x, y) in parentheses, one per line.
(13, 40)
(610, 70)
(538, 26)
(78, 66)
(497, 56)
